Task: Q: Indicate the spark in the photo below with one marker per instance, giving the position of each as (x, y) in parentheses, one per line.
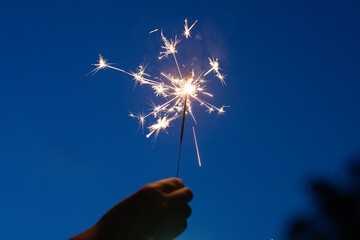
(102, 64)
(169, 47)
(140, 117)
(210, 110)
(186, 32)
(221, 110)
(221, 77)
(180, 94)
(197, 149)
(160, 90)
(155, 30)
(162, 124)
(215, 68)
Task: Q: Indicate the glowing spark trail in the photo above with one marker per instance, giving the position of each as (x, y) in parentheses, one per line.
(179, 93)
(196, 145)
(186, 32)
(155, 30)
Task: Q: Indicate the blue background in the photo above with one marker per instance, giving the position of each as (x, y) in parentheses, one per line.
(69, 151)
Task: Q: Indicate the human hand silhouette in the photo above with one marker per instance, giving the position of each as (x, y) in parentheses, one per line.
(158, 211)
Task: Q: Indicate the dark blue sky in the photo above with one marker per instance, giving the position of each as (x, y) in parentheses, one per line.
(69, 151)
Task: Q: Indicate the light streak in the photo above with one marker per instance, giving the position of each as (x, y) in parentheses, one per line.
(187, 29)
(197, 149)
(155, 30)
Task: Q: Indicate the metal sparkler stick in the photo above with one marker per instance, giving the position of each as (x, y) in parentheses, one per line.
(182, 128)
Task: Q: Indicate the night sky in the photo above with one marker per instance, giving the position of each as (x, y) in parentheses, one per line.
(69, 151)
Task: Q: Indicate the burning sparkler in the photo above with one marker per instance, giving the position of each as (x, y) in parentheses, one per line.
(180, 93)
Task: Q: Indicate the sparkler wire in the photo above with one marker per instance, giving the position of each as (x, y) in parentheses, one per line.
(182, 128)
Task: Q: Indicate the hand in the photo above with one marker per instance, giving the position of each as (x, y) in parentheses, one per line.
(158, 211)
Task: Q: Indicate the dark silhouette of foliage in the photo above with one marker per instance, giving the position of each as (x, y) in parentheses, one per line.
(338, 211)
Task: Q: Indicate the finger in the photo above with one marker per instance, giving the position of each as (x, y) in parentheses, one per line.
(171, 231)
(178, 229)
(180, 214)
(170, 184)
(180, 197)
(183, 212)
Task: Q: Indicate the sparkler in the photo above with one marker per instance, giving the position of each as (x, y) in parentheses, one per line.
(179, 93)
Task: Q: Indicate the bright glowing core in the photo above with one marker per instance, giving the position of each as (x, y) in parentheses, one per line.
(189, 88)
